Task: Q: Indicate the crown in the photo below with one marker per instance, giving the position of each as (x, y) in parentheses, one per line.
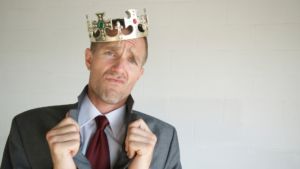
(138, 24)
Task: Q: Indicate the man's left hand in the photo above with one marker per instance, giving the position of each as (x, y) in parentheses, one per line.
(140, 141)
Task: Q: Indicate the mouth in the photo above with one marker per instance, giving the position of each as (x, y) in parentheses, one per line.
(115, 80)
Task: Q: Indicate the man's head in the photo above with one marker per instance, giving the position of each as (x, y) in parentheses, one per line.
(115, 67)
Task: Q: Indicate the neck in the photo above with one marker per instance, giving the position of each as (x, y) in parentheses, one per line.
(103, 107)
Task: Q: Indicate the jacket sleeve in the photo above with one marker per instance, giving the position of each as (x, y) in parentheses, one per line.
(14, 155)
(173, 159)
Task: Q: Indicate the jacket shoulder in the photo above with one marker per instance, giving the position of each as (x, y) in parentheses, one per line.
(43, 114)
(29, 131)
(49, 109)
(154, 123)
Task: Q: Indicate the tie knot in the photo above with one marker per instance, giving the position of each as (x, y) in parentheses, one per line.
(101, 122)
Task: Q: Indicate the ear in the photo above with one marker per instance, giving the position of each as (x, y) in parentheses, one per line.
(88, 58)
(141, 73)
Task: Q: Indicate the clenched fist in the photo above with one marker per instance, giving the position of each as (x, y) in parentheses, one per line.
(140, 141)
(64, 142)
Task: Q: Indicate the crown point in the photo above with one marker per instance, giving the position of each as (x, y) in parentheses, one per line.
(134, 21)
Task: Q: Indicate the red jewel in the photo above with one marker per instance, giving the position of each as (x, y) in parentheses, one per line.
(134, 21)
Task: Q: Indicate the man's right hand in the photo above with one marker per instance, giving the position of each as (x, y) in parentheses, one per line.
(64, 142)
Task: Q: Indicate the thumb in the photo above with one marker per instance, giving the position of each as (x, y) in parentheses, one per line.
(68, 114)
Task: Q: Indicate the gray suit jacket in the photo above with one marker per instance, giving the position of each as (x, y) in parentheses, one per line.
(27, 147)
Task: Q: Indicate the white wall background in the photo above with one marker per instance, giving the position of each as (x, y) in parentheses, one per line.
(225, 73)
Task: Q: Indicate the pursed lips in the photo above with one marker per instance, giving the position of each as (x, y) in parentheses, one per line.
(115, 80)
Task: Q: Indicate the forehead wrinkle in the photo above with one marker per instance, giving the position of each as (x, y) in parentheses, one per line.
(130, 41)
(133, 42)
(112, 47)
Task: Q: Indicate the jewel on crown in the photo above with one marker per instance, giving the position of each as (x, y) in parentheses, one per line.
(139, 24)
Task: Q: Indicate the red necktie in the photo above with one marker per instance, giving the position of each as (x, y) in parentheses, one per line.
(98, 150)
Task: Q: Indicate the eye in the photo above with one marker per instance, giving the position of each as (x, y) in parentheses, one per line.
(131, 61)
(110, 53)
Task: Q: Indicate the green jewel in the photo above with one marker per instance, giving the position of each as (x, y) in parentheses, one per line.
(101, 25)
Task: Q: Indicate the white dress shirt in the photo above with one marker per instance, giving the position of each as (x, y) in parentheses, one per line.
(115, 131)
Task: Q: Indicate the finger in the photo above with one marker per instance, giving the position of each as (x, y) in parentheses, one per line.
(64, 137)
(68, 114)
(60, 131)
(139, 131)
(135, 138)
(137, 127)
(65, 148)
(67, 121)
(139, 148)
(140, 123)
(139, 138)
(126, 143)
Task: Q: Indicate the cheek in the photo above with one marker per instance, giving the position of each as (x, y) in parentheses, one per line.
(97, 70)
(135, 76)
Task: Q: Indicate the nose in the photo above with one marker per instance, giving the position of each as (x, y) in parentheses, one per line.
(119, 67)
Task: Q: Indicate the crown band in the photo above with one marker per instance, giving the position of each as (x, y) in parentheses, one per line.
(139, 24)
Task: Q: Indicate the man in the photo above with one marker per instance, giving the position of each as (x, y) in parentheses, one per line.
(101, 130)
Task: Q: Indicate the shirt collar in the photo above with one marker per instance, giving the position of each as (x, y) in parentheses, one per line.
(88, 112)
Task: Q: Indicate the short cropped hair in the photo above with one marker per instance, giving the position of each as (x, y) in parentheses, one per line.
(93, 48)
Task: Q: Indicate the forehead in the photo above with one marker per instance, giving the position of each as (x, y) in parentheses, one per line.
(137, 45)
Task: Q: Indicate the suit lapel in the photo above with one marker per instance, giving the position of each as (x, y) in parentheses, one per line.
(80, 160)
(123, 160)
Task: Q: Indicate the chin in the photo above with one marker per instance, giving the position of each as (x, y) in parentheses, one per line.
(112, 97)
(110, 94)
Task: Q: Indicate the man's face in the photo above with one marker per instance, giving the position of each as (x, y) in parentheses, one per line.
(115, 68)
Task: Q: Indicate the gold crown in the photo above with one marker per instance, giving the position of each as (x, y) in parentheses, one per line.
(138, 24)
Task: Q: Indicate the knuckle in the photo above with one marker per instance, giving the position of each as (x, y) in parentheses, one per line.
(51, 139)
(140, 120)
(48, 134)
(76, 135)
(131, 137)
(75, 143)
(130, 143)
(154, 137)
(71, 135)
(131, 125)
(132, 130)
(69, 119)
(152, 142)
(135, 130)
(73, 128)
